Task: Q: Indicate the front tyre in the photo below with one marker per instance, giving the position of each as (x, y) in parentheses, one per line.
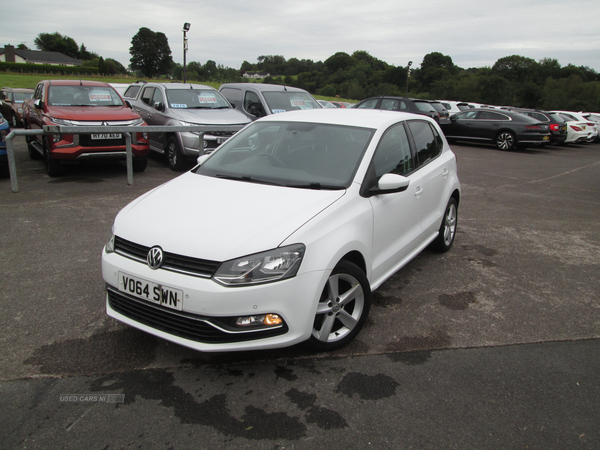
(175, 157)
(505, 140)
(343, 308)
(447, 231)
(53, 167)
(139, 163)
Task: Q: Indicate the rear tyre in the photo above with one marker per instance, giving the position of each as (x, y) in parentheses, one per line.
(175, 158)
(447, 231)
(505, 140)
(343, 308)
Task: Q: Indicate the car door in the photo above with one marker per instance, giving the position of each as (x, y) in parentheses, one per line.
(435, 168)
(487, 124)
(158, 117)
(35, 116)
(461, 125)
(396, 216)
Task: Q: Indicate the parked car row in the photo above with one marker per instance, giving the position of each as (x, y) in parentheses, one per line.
(4, 130)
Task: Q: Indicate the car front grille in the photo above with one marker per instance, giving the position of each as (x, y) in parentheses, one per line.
(186, 325)
(176, 263)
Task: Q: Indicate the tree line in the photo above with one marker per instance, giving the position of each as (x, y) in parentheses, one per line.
(512, 81)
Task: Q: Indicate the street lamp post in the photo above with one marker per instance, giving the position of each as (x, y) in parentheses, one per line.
(186, 28)
(408, 76)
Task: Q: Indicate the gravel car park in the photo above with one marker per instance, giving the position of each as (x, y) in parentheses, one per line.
(309, 212)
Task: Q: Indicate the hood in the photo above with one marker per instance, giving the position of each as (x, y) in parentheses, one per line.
(227, 116)
(92, 113)
(218, 219)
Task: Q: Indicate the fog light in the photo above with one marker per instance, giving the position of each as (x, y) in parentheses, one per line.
(262, 319)
(57, 138)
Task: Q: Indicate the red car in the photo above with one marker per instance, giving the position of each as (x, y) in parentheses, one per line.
(81, 103)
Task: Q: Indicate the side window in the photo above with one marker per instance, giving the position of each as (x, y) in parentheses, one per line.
(252, 104)
(389, 104)
(539, 116)
(428, 143)
(2, 96)
(369, 104)
(147, 95)
(233, 95)
(393, 153)
(158, 97)
(131, 91)
(38, 91)
(403, 106)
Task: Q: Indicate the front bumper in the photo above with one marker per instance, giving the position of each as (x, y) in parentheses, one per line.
(207, 319)
(78, 147)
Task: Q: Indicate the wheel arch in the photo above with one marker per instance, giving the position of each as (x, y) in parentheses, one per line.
(356, 258)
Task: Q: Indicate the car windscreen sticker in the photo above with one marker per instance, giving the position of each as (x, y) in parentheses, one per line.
(205, 98)
(298, 103)
(178, 105)
(99, 96)
(275, 111)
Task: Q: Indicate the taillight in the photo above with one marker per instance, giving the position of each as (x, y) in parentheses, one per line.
(576, 128)
(533, 127)
(554, 127)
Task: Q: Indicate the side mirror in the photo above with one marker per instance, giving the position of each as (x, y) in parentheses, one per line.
(39, 104)
(159, 106)
(391, 182)
(128, 103)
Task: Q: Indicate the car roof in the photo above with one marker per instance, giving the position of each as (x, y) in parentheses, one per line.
(17, 89)
(76, 83)
(264, 87)
(180, 86)
(369, 118)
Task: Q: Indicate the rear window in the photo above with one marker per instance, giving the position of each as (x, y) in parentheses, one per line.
(425, 106)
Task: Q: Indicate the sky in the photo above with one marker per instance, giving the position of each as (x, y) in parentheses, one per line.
(474, 33)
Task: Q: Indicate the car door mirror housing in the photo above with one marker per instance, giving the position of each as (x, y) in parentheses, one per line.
(201, 159)
(159, 106)
(39, 104)
(391, 182)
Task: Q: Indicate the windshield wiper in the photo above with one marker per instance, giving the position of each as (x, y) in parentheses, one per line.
(246, 178)
(316, 186)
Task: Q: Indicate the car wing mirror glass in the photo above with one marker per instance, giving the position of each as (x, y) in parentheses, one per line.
(39, 104)
(159, 106)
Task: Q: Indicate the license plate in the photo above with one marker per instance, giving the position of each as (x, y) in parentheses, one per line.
(546, 138)
(106, 136)
(152, 292)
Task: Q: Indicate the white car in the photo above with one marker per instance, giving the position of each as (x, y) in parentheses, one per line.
(577, 131)
(280, 235)
(454, 107)
(588, 126)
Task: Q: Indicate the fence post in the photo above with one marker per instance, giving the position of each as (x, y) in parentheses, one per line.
(129, 158)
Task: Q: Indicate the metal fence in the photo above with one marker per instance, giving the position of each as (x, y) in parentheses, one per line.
(126, 131)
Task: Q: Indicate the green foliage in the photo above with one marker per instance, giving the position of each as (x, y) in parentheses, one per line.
(56, 42)
(150, 53)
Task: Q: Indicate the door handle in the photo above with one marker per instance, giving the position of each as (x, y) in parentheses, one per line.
(418, 191)
(445, 173)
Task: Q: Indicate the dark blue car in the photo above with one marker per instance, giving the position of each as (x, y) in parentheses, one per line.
(4, 130)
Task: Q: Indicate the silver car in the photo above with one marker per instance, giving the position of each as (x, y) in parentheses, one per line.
(176, 104)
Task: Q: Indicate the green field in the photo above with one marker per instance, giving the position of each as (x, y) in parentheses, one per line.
(29, 81)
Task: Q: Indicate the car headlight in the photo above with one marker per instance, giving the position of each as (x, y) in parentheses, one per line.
(187, 124)
(61, 121)
(110, 244)
(138, 122)
(273, 265)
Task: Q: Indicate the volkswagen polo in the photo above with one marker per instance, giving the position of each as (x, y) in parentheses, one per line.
(309, 212)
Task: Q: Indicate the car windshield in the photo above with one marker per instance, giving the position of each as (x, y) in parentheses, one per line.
(196, 99)
(293, 154)
(438, 106)
(282, 101)
(20, 97)
(83, 96)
